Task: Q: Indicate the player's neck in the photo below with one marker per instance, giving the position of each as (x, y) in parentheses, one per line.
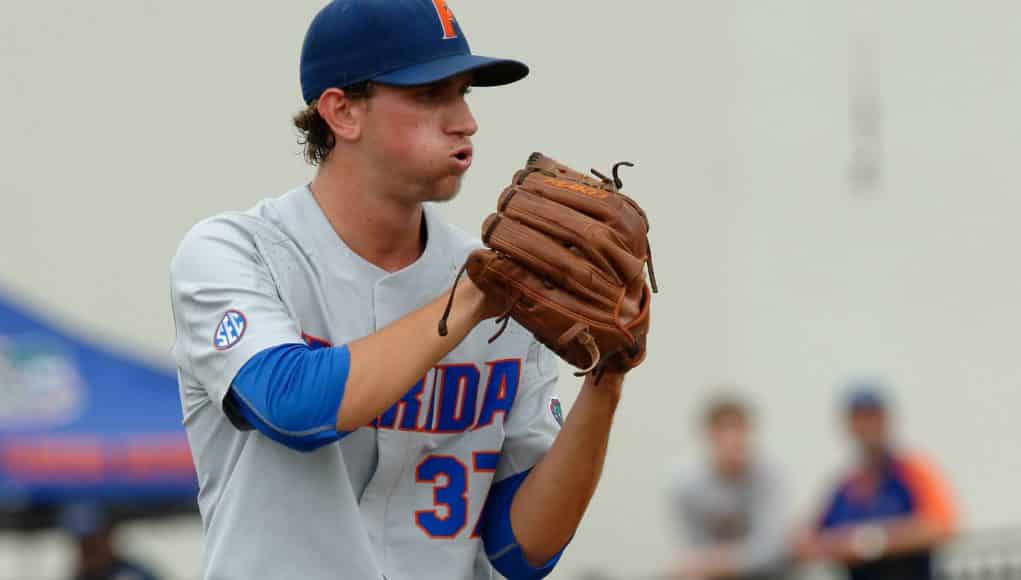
(380, 229)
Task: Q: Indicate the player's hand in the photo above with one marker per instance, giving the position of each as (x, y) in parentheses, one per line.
(609, 383)
(481, 305)
(807, 548)
(833, 545)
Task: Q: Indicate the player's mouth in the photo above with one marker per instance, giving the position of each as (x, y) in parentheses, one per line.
(463, 157)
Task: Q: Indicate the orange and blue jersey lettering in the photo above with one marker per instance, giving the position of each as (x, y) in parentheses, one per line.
(501, 390)
(410, 406)
(455, 405)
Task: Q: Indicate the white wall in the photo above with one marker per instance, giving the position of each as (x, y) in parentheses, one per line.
(126, 122)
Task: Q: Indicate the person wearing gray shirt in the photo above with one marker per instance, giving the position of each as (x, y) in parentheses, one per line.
(733, 508)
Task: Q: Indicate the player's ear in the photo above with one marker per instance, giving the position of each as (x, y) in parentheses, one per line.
(340, 113)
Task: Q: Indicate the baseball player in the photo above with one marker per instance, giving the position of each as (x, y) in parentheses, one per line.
(335, 433)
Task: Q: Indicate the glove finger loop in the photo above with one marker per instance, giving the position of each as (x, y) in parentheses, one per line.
(572, 332)
(580, 331)
(590, 345)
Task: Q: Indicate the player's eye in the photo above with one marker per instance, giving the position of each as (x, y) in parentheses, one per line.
(441, 92)
(428, 94)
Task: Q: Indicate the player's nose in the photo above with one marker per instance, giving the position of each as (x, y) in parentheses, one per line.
(462, 121)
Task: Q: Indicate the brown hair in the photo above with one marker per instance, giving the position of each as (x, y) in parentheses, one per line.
(724, 407)
(314, 135)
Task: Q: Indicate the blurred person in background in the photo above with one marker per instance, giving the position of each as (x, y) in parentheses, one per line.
(732, 506)
(887, 516)
(92, 528)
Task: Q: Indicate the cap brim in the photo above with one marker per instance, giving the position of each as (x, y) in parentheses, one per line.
(489, 72)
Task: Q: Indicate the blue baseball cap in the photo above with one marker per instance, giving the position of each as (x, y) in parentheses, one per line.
(395, 42)
(868, 394)
(84, 519)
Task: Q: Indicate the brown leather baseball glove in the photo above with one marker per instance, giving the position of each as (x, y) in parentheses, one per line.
(567, 255)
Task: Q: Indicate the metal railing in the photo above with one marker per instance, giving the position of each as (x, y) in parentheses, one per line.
(986, 555)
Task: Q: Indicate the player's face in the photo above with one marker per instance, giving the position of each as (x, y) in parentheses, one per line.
(730, 442)
(869, 429)
(418, 139)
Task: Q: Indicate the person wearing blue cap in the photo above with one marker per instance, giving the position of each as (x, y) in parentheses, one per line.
(92, 528)
(334, 432)
(887, 516)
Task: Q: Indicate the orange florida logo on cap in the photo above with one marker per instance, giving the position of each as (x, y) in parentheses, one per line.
(446, 19)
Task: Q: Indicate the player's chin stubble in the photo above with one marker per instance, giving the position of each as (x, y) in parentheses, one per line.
(446, 190)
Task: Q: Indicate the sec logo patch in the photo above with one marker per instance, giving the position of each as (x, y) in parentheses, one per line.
(230, 330)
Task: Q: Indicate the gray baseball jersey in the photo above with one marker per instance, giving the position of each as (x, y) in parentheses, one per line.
(399, 498)
(751, 514)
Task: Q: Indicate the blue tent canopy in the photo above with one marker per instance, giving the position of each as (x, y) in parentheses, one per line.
(79, 421)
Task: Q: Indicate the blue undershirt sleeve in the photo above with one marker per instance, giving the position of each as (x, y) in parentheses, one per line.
(501, 546)
(291, 393)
